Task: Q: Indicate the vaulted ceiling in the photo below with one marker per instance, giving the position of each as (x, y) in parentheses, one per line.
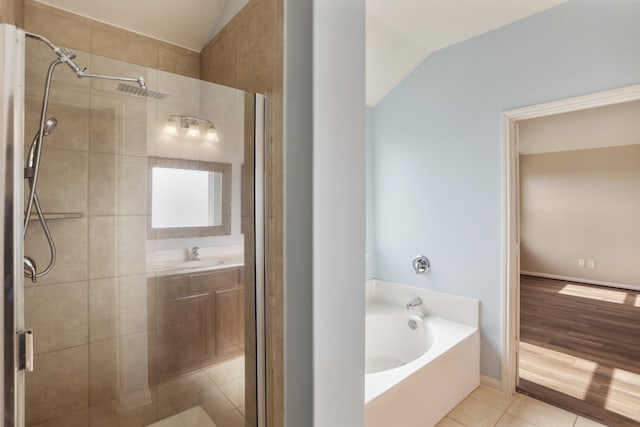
(402, 33)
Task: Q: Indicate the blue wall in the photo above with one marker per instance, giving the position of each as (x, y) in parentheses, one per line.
(437, 156)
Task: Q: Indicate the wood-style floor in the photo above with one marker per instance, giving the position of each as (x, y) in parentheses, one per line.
(580, 348)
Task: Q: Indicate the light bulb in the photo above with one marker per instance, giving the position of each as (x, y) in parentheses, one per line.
(194, 130)
(212, 134)
(170, 128)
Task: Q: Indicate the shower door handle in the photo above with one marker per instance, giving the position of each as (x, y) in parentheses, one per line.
(25, 350)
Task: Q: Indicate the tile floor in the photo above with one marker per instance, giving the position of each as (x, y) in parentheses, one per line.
(486, 408)
(220, 403)
(212, 397)
(194, 417)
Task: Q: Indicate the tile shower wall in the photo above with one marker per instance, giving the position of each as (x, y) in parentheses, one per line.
(93, 315)
(77, 32)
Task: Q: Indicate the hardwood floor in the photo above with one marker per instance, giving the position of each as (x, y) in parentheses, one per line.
(580, 348)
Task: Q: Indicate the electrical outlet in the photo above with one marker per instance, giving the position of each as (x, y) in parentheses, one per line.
(592, 264)
(581, 263)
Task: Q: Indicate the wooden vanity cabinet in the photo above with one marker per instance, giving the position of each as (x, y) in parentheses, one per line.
(199, 319)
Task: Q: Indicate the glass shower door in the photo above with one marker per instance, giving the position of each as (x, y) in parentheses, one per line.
(148, 317)
(11, 117)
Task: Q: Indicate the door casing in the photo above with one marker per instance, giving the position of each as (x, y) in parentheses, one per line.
(510, 205)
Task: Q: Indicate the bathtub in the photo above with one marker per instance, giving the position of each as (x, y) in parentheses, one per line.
(418, 365)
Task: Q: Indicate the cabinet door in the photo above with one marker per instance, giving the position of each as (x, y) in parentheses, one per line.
(229, 320)
(181, 320)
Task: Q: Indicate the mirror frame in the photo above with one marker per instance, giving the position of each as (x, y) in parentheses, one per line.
(181, 232)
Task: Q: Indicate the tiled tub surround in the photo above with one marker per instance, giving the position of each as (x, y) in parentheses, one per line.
(94, 316)
(421, 392)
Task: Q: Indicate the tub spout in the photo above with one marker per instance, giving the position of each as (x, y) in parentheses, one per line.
(414, 302)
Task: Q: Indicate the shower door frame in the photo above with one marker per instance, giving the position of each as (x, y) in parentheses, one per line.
(11, 163)
(259, 192)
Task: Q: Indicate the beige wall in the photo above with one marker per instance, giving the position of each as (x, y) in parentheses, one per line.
(77, 32)
(12, 12)
(243, 54)
(582, 204)
(247, 54)
(608, 126)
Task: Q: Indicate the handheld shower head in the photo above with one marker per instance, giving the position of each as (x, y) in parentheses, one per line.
(49, 126)
(47, 129)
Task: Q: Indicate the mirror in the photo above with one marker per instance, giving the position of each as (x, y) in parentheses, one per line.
(188, 198)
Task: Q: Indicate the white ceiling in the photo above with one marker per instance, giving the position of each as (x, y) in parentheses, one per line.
(187, 23)
(402, 33)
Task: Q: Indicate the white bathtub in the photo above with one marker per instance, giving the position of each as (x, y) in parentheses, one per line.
(395, 338)
(415, 376)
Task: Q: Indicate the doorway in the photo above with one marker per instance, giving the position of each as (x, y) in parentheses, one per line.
(568, 323)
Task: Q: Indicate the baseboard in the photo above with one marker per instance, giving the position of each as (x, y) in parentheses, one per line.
(491, 383)
(580, 280)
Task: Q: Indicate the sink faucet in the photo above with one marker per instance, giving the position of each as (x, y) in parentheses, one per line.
(414, 302)
(194, 255)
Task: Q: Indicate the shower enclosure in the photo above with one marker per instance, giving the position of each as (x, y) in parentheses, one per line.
(149, 211)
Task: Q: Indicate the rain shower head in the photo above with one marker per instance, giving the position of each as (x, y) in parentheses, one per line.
(141, 91)
(65, 56)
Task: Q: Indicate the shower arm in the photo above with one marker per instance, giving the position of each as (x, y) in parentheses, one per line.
(82, 73)
(66, 57)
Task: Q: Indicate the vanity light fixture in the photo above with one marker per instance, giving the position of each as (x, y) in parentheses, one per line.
(170, 128)
(190, 126)
(212, 134)
(194, 130)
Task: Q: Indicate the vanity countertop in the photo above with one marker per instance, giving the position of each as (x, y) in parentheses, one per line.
(173, 267)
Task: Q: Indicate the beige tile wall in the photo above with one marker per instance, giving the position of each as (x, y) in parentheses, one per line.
(77, 32)
(248, 54)
(12, 12)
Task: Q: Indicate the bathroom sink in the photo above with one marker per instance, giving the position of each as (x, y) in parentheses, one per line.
(205, 262)
(200, 264)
